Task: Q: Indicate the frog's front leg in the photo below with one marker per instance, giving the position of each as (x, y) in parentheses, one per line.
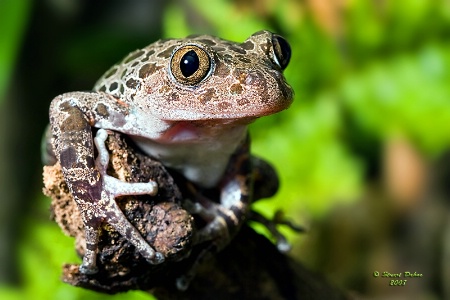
(71, 119)
(223, 220)
(225, 217)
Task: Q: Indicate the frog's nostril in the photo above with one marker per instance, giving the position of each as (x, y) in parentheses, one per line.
(282, 50)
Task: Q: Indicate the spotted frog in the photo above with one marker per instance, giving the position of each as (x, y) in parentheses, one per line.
(185, 102)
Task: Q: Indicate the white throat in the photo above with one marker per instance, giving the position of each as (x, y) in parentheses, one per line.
(201, 155)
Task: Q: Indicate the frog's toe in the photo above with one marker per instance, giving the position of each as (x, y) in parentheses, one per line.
(88, 269)
(156, 259)
(283, 245)
(102, 160)
(159, 258)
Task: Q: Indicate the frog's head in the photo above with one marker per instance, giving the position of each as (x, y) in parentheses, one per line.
(207, 78)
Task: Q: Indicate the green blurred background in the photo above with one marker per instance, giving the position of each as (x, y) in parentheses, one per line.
(363, 153)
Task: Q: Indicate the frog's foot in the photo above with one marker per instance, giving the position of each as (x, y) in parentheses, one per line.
(217, 223)
(217, 231)
(278, 219)
(106, 210)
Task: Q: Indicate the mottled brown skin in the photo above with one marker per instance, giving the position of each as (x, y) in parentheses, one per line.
(187, 103)
(244, 80)
(160, 219)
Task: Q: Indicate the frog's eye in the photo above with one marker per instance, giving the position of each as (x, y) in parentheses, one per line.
(282, 51)
(190, 65)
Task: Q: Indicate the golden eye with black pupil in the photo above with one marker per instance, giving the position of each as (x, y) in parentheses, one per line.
(190, 65)
(282, 51)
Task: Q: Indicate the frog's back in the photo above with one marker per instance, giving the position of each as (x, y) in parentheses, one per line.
(125, 77)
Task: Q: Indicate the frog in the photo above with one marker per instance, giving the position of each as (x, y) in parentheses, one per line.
(185, 102)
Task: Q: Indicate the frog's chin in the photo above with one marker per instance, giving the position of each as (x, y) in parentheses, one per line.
(226, 114)
(202, 130)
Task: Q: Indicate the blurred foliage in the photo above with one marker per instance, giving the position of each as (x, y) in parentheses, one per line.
(408, 95)
(13, 18)
(362, 71)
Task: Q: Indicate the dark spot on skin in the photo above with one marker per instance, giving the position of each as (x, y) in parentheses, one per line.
(132, 84)
(222, 70)
(90, 246)
(133, 56)
(128, 232)
(224, 105)
(102, 88)
(111, 72)
(84, 189)
(134, 64)
(240, 75)
(65, 106)
(219, 49)
(208, 42)
(207, 96)
(236, 89)
(265, 47)
(248, 45)
(102, 110)
(113, 86)
(173, 97)
(242, 102)
(68, 156)
(149, 53)
(164, 89)
(257, 79)
(146, 70)
(237, 49)
(244, 60)
(122, 89)
(75, 121)
(124, 73)
(166, 53)
(227, 57)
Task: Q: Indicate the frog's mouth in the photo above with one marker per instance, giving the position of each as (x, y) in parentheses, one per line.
(201, 130)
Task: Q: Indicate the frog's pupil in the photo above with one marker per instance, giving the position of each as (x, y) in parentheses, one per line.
(189, 63)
